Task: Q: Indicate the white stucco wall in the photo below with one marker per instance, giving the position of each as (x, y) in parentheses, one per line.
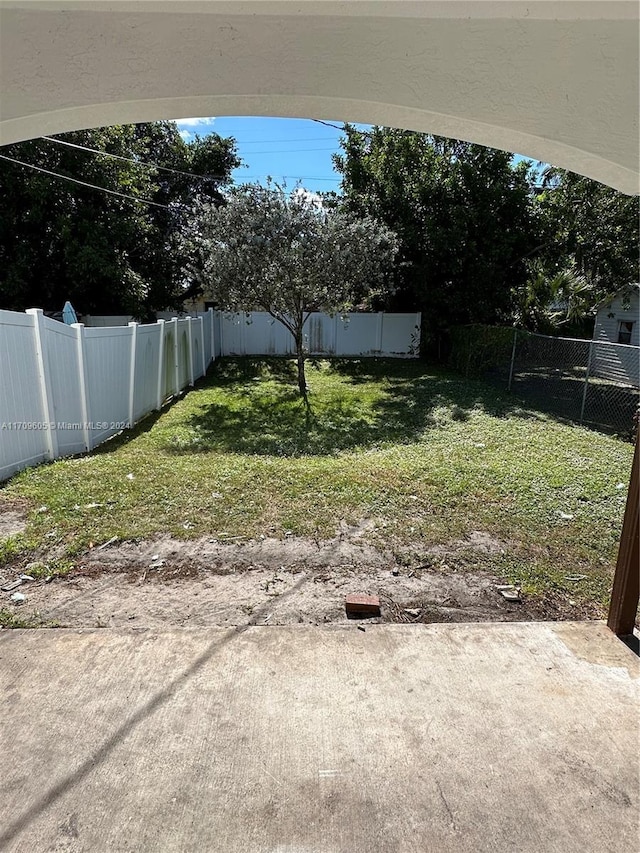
(554, 80)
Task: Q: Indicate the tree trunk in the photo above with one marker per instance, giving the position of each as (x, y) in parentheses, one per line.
(302, 379)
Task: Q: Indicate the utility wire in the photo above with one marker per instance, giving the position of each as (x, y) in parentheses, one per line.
(131, 160)
(84, 183)
(270, 141)
(293, 150)
(124, 195)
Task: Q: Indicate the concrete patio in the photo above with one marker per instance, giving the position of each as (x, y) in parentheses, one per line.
(465, 737)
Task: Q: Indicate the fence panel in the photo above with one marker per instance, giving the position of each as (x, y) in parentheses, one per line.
(207, 340)
(232, 332)
(20, 400)
(356, 334)
(63, 372)
(612, 394)
(145, 382)
(353, 334)
(108, 360)
(183, 367)
(400, 334)
(551, 369)
(320, 334)
(168, 384)
(197, 344)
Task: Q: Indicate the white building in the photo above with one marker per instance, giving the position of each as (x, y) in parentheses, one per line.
(618, 322)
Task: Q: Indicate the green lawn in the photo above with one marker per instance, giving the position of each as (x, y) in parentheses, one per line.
(428, 456)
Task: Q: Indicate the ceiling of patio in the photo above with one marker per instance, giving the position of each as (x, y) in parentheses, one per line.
(556, 81)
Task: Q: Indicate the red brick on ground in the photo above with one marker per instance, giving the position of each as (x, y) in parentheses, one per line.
(362, 605)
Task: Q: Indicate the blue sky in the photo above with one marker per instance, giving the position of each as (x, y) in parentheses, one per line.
(283, 148)
(291, 149)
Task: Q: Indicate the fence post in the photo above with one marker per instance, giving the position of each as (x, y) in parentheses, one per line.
(586, 382)
(46, 394)
(190, 341)
(243, 338)
(82, 381)
(379, 322)
(513, 358)
(213, 337)
(626, 592)
(335, 334)
(176, 357)
(221, 319)
(132, 371)
(204, 358)
(160, 395)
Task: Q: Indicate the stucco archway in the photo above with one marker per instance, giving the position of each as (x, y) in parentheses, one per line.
(557, 81)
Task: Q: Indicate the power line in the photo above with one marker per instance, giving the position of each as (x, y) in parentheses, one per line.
(293, 151)
(84, 183)
(291, 177)
(270, 141)
(131, 160)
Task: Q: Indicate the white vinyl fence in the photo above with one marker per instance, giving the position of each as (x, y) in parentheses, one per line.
(355, 334)
(65, 389)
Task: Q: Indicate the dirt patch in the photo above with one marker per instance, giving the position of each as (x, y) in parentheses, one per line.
(12, 522)
(165, 582)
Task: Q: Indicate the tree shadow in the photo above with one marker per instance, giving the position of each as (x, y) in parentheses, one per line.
(382, 401)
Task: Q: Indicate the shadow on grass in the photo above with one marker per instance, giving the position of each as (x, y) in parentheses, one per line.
(377, 402)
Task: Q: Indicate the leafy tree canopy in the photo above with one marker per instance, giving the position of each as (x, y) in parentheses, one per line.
(286, 254)
(481, 240)
(462, 213)
(105, 253)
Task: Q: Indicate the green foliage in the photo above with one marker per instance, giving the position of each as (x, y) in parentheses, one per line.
(480, 242)
(286, 254)
(105, 253)
(590, 228)
(477, 348)
(547, 304)
(462, 213)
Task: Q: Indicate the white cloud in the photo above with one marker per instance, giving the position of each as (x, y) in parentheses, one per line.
(186, 135)
(310, 197)
(194, 122)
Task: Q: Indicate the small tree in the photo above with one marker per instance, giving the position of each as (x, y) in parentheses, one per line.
(288, 255)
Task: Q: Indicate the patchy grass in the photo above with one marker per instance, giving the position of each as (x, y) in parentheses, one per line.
(13, 619)
(428, 456)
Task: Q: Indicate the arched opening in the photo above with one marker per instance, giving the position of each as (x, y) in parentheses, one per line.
(397, 740)
(554, 81)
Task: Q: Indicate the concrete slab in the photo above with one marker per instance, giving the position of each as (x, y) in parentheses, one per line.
(469, 737)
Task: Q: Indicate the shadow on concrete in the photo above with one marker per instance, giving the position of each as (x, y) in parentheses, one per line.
(632, 642)
(9, 833)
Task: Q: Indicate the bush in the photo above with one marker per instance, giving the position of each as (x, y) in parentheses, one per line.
(476, 348)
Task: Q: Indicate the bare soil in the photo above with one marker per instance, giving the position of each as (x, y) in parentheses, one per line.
(209, 582)
(12, 522)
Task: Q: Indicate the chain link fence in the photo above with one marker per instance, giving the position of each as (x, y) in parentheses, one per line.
(595, 383)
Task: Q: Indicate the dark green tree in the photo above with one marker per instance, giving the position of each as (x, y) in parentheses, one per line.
(590, 226)
(463, 214)
(103, 252)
